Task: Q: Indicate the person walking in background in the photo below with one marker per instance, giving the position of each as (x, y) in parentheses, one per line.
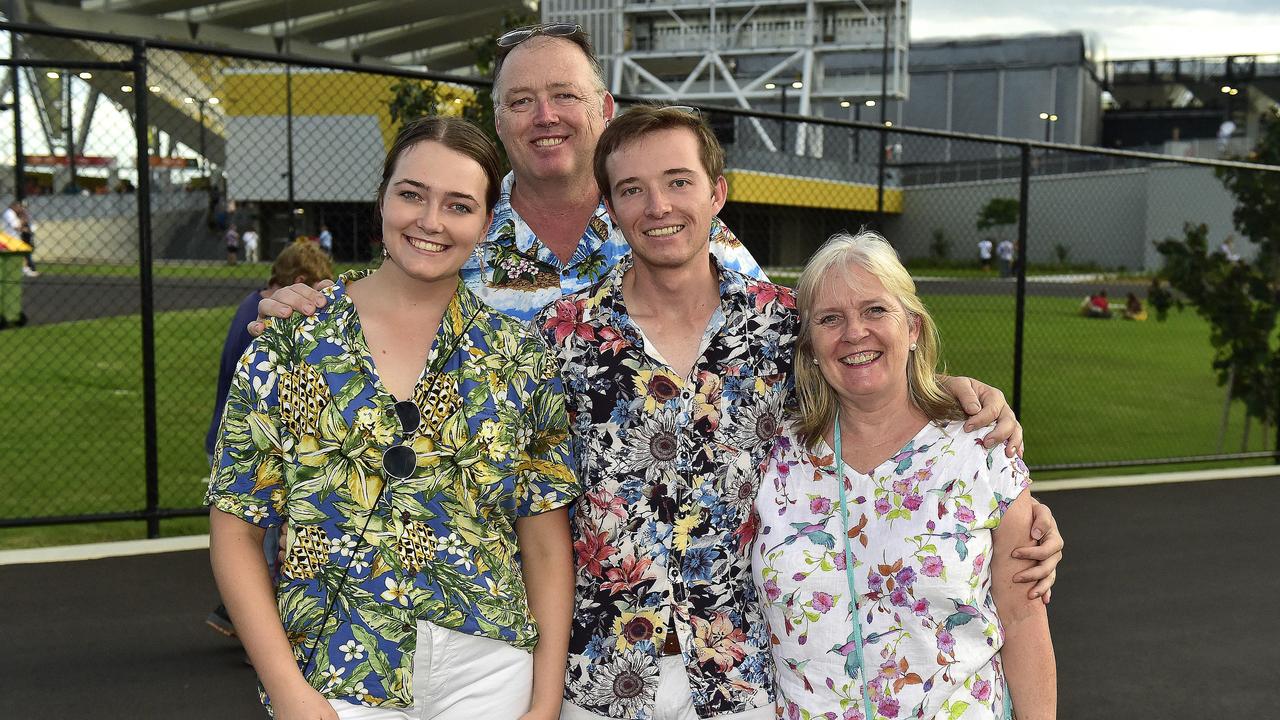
(326, 240)
(17, 222)
(301, 262)
(1005, 256)
(885, 555)
(232, 240)
(984, 254)
(250, 240)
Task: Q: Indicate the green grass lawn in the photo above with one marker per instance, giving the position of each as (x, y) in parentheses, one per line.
(72, 427)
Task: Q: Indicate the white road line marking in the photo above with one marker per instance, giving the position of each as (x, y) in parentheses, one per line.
(95, 551)
(1043, 486)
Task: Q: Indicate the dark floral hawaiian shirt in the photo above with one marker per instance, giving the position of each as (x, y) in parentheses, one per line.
(671, 466)
(514, 272)
(305, 426)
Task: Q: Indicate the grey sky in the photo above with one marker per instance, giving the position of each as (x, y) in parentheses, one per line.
(1177, 28)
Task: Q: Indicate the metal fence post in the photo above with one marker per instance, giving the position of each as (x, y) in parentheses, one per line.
(140, 124)
(1020, 260)
(19, 157)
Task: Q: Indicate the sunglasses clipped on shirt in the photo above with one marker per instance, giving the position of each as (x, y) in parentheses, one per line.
(399, 460)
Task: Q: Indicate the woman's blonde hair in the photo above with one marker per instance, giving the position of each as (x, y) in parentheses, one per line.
(871, 252)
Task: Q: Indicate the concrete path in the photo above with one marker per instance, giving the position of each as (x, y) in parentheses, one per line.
(1165, 608)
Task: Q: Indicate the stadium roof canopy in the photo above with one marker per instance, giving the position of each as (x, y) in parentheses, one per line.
(436, 34)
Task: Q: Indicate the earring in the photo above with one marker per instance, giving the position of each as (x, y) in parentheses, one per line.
(385, 254)
(912, 348)
(815, 361)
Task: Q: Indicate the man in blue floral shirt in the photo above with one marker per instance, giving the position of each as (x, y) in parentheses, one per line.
(550, 233)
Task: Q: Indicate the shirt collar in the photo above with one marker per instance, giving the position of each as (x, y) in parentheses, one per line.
(464, 308)
(599, 227)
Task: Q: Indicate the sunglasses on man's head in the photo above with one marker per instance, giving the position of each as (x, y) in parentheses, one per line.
(513, 38)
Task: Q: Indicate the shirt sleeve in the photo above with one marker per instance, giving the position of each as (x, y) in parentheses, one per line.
(547, 480)
(1006, 479)
(247, 479)
(731, 253)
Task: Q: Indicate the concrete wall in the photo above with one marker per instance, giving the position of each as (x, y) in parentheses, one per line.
(104, 228)
(1108, 218)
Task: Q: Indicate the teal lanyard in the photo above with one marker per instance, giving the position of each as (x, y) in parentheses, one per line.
(853, 593)
(848, 573)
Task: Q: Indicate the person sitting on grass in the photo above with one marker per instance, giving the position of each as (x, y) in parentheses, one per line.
(1096, 306)
(1133, 309)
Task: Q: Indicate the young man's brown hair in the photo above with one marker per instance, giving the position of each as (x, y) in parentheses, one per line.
(641, 120)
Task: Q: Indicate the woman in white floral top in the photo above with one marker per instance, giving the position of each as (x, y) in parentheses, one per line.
(918, 530)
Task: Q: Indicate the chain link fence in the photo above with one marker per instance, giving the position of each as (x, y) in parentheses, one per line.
(109, 383)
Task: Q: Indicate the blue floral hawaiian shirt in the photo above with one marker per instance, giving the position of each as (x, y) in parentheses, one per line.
(518, 275)
(671, 465)
(302, 440)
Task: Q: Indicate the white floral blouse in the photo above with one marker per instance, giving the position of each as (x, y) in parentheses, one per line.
(921, 535)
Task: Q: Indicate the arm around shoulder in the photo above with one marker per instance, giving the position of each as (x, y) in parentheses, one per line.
(1027, 655)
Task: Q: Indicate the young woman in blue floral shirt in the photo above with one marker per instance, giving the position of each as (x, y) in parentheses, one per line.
(416, 442)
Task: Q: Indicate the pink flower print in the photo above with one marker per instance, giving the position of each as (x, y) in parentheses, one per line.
(982, 690)
(888, 707)
(906, 576)
(978, 562)
(840, 561)
(820, 505)
(921, 608)
(822, 602)
(902, 487)
(771, 590)
(875, 581)
(793, 711)
(946, 642)
(889, 668)
(899, 597)
(882, 506)
(913, 502)
(932, 566)
(853, 713)
(965, 514)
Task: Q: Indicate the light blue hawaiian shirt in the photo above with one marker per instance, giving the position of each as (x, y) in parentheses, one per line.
(515, 273)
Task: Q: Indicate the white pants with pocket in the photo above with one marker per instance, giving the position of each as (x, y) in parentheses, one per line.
(457, 676)
(674, 699)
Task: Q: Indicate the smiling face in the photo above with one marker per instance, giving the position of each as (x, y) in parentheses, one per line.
(661, 197)
(860, 337)
(551, 109)
(433, 211)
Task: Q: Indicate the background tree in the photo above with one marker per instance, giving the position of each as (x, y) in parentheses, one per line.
(1238, 299)
(412, 99)
(997, 213)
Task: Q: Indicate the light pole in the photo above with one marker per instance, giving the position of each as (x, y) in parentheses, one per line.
(1049, 119)
(204, 160)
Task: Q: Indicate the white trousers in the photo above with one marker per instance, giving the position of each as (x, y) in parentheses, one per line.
(457, 676)
(674, 700)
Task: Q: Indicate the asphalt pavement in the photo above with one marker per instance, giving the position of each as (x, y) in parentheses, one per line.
(1165, 608)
